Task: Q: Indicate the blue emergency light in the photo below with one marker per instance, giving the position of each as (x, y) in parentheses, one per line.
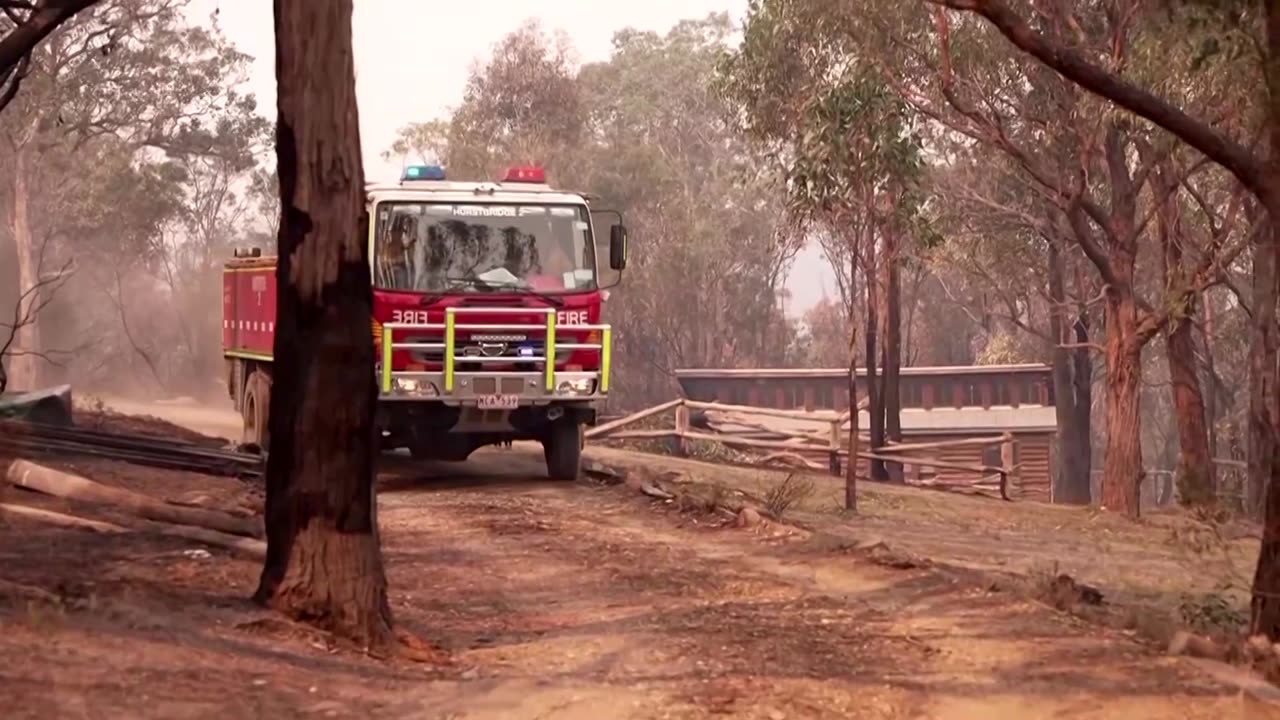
(423, 172)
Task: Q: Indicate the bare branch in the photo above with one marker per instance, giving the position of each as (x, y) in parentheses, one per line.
(1075, 67)
(44, 19)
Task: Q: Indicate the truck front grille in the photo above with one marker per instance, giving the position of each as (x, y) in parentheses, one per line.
(492, 386)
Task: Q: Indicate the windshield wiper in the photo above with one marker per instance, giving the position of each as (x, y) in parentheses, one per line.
(499, 286)
(474, 282)
(546, 297)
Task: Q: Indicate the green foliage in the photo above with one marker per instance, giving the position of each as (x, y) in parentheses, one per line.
(646, 131)
(142, 168)
(523, 106)
(849, 143)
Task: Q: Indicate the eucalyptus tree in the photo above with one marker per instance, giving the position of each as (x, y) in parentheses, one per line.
(853, 163)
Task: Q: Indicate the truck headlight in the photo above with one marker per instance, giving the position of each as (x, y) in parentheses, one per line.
(415, 387)
(585, 386)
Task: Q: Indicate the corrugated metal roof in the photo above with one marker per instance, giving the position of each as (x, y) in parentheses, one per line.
(783, 373)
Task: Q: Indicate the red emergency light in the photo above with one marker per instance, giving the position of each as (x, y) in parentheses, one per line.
(526, 174)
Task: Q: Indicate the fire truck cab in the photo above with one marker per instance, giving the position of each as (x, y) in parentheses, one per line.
(487, 316)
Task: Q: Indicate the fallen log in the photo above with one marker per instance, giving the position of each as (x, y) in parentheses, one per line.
(60, 519)
(255, 549)
(790, 459)
(28, 475)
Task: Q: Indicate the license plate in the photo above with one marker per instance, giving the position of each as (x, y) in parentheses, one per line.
(498, 402)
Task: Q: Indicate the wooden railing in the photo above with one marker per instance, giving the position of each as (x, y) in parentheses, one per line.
(822, 447)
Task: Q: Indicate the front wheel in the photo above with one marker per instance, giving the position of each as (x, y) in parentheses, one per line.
(563, 450)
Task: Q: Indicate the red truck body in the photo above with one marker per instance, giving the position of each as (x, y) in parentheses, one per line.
(465, 366)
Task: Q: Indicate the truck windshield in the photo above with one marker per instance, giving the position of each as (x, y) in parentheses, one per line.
(442, 247)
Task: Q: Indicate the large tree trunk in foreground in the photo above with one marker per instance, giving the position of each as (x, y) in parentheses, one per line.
(1264, 617)
(324, 562)
(23, 360)
(1262, 380)
(1122, 476)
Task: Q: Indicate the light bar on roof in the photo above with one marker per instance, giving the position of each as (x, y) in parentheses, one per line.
(525, 174)
(423, 172)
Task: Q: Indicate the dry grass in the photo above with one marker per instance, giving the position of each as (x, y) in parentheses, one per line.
(792, 490)
(1169, 563)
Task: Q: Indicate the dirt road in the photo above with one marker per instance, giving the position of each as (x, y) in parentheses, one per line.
(571, 601)
(579, 592)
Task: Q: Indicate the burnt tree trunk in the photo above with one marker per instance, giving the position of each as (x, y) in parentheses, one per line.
(875, 389)
(1212, 390)
(1265, 607)
(1195, 467)
(1071, 482)
(324, 561)
(1194, 476)
(1264, 617)
(851, 467)
(1082, 380)
(893, 357)
(1128, 329)
(1262, 364)
(1195, 471)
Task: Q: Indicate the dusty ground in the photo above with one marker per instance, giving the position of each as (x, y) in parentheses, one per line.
(1195, 570)
(563, 601)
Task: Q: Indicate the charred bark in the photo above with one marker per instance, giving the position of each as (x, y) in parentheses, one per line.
(1212, 390)
(851, 467)
(1265, 615)
(893, 358)
(1071, 482)
(1195, 468)
(1262, 364)
(1265, 607)
(1082, 380)
(875, 389)
(1194, 475)
(324, 560)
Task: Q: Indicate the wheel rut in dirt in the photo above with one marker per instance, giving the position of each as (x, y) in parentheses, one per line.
(535, 586)
(578, 584)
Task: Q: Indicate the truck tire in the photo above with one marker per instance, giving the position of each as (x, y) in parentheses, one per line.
(563, 450)
(256, 409)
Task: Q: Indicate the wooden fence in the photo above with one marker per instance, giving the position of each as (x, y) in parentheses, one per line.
(813, 440)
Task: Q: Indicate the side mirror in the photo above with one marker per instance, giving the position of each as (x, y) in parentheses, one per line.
(618, 247)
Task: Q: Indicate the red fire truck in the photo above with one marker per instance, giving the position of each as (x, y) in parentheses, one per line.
(487, 302)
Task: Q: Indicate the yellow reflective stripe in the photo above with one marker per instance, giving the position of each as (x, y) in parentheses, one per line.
(606, 354)
(550, 352)
(386, 360)
(448, 350)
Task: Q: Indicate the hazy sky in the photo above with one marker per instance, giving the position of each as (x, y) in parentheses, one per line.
(412, 59)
